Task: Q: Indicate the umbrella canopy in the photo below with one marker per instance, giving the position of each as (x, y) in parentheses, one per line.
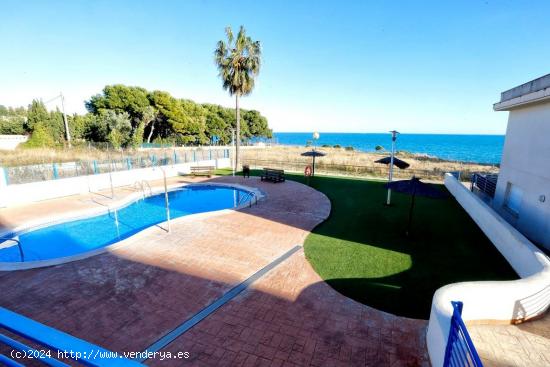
(313, 153)
(415, 187)
(398, 162)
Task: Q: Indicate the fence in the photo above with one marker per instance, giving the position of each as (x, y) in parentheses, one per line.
(486, 183)
(460, 350)
(54, 347)
(347, 169)
(52, 171)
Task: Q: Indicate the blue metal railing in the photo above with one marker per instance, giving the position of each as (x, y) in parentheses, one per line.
(57, 345)
(460, 350)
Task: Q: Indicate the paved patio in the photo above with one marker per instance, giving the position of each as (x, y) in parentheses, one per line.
(526, 345)
(128, 298)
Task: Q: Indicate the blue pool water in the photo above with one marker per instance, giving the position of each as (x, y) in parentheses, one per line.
(79, 236)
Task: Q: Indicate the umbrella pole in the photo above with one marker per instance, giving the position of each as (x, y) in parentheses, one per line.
(313, 170)
(410, 214)
(394, 135)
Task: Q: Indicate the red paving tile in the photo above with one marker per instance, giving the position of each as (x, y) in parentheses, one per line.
(127, 298)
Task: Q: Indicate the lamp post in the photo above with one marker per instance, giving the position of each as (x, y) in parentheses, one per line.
(390, 177)
(67, 133)
(315, 138)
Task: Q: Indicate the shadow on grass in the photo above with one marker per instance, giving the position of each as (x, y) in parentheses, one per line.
(362, 252)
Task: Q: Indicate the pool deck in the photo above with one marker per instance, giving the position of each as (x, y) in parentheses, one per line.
(128, 298)
(525, 345)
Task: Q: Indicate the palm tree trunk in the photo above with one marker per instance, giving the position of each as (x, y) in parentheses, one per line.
(151, 132)
(238, 137)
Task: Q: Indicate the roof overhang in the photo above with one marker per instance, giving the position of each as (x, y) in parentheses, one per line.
(535, 91)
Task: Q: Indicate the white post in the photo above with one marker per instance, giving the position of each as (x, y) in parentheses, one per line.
(166, 201)
(393, 139)
(67, 133)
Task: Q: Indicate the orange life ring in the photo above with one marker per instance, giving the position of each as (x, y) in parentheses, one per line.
(308, 171)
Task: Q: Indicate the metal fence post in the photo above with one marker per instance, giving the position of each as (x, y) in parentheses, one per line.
(4, 178)
(55, 173)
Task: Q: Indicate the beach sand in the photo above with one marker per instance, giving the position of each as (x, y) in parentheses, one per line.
(341, 161)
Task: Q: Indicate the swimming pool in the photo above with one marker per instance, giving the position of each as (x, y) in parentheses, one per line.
(75, 237)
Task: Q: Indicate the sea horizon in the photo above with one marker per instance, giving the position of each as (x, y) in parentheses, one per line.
(472, 148)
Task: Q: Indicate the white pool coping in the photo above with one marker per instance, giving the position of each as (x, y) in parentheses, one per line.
(47, 221)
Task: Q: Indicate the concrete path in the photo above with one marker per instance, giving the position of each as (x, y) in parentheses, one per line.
(525, 345)
(127, 299)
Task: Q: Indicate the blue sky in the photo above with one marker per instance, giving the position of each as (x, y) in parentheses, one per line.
(350, 66)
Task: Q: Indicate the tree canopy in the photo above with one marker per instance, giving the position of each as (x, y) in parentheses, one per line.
(125, 116)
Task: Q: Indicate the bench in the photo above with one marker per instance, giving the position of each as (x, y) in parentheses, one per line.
(273, 175)
(202, 170)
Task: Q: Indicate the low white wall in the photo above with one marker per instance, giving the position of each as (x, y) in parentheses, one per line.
(505, 301)
(37, 191)
(10, 142)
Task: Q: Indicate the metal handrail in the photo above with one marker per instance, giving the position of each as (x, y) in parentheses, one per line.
(460, 350)
(145, 183)
(5, 239)
(249, 194)
(138, 186)
(62, 345)
(141, 186)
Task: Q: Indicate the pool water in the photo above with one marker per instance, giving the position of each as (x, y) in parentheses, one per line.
(83, 235)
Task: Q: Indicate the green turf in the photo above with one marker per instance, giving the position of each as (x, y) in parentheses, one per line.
(361, 250)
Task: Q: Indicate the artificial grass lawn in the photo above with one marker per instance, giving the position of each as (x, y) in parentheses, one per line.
(362, 252)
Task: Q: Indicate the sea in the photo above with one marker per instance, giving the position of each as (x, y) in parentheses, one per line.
(466, 148)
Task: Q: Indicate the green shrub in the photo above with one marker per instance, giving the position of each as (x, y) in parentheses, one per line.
(40, 138)
(348, 148)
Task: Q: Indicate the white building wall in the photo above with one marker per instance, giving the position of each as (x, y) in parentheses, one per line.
(491, 301)
(526, 165)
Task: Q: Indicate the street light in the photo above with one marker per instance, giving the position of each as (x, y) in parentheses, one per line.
(67, 133)
(393, 139)
(315, 138)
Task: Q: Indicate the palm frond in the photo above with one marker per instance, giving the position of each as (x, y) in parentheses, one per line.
(238, 61)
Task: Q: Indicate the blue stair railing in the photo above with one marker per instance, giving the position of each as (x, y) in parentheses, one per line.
(460, 350)
(55, 346)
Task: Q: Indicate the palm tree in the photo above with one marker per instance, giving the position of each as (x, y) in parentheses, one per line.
(148, 116)
(238, 63)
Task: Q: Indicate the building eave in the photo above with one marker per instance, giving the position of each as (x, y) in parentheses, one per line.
(527, 99)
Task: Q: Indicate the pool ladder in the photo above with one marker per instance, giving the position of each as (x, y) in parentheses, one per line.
(14, 239)
(250, 195)
(143, 186)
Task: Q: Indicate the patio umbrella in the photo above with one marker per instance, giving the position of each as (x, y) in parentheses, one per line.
(415, 187)
(398, 162)
(313, 153)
